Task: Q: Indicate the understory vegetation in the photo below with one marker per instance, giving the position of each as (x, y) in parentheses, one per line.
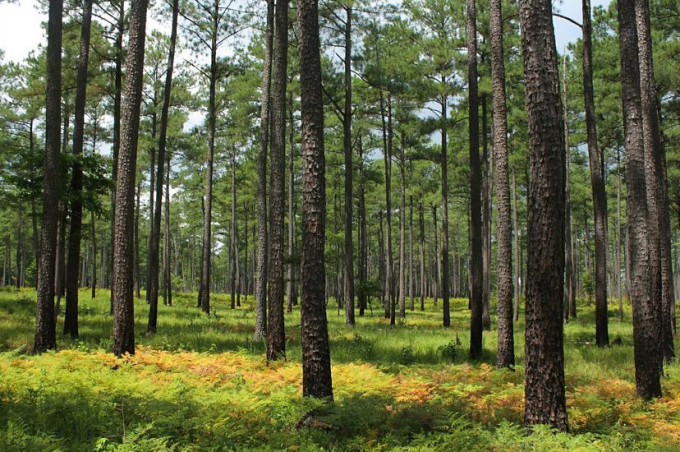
(201, 383)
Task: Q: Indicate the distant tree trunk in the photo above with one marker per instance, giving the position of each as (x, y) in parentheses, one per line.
(347, 144)
(276, 336)
(206, 253)
(152, 184)
(569, 272)
(166, 248)
(45, 332)
(544, 378)
(646, 313)
(262, 252)
(94, 255)
(402, 231)
(387, 157)
(411, 284)
(123, 326)
(234, 233)
(437, 257)
(71, 318)
(137, 272)
(423, 280)
(316, 362)
(363, 240)
(619, 293)
(596, 160)
(657, 190)
(154, 252)
(291, 288)
(476, 261)
(487, 195)
(506, 345)
(518, 265)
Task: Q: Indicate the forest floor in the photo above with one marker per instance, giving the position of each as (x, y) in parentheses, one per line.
(201, 383)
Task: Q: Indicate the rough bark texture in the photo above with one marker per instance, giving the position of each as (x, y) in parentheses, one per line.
(316, 355)
(476, 260)
(544, 379)
(45, 330)
(276, 337)
(646, 315)
(595, 160)
(154, 252)
(347, 145)
(506, 346)
(261, 286)
(71, 318)
(124, 326)
(657, 189)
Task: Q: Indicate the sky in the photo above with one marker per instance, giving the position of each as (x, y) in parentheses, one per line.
(20, 30)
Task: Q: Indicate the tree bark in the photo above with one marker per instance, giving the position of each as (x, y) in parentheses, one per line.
(506, 345)
(316, 362)
(154, 252)
(71, 318)
(476, 261)
(544, 379)
(261, 288)
(363, 240)
(45, 332)
(123, 326)
(347, 145)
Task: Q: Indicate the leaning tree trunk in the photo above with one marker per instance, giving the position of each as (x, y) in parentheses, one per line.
(154, 252)
(657, 190)
(71, 318)
(124, 325)
(316, 356)
(276, 336)
(506, 345)
(544, 378)
(646, 315)
(45, 331)
(261, 287)
(476, 262)
(595, 160)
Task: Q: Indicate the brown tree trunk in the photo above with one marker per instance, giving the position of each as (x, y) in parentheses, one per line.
(137, 272)
(123, 326)
(94, 255)
(316, 357)
(487, 196)
(402, 230)
(276, 337)
(71, 318)
(544, 378)
(261, 288)
(166, 249)
(569, 272)
(423, 281)
(506, 345)
(476, 261)
(347, 144)
(657, 190)
(363, 240)
(518, 265)
(45, 331)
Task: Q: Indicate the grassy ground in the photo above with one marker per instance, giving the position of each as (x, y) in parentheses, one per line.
(201, 383)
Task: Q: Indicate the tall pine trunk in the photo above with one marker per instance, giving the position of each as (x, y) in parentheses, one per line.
(347, 145)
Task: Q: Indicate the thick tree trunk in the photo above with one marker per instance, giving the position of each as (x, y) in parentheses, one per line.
(262, 252)
(71, 318)
(276, 336)
(506, 345)
(45, 332)
(595, 159)
(544, 380)
(657, 190)
(316, 362)
(123, 326)
(646, 312)
(476, 261)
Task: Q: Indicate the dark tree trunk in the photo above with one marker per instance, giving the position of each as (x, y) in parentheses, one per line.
(657, 190)
(166, 248)
(402, 230)
(423, 281)
(544, 379)
(291, 292)
(261, 289)
(437, 257)
(569, 271)
(71, 318)
(234, 234)
(347, 144)
(363, 239)
(276, 335)
(45, 331)
(595, 159)
(518, 264)
(154, 252)
(476, 261)
(123, 326)
(387, 157)
(206, 249)
(137, 275)
(94, 255)
(316, 356)
(646, 315)
(506, 345)
(411, 283)
(487, 195)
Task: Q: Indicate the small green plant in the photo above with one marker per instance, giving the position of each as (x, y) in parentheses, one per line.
(448, 352)
(407, 356)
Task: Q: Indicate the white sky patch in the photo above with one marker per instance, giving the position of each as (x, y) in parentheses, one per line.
(20, 30)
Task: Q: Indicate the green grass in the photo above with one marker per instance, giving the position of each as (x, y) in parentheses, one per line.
(201, 383)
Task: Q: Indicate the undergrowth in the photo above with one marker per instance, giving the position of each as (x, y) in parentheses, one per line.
(201, 383)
